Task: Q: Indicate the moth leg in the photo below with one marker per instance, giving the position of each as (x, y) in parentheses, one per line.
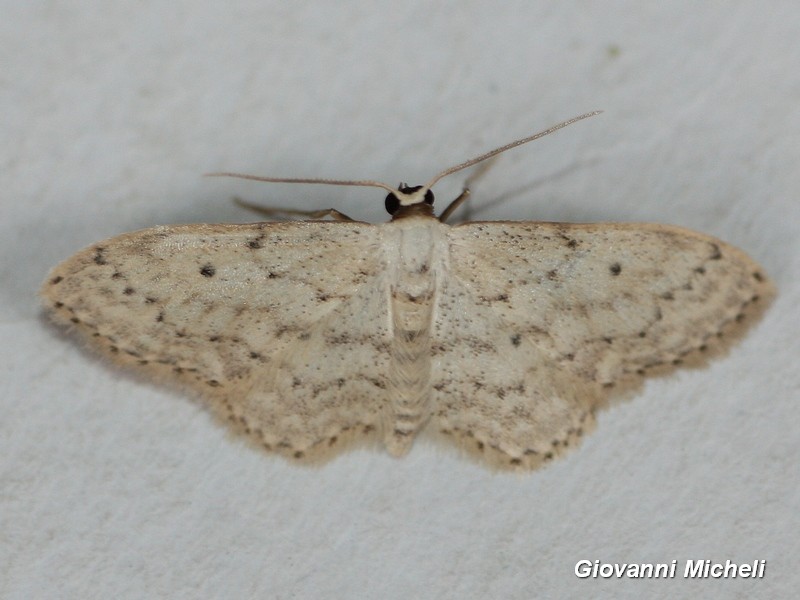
(453, 206)
(465, 193)
(308, 214)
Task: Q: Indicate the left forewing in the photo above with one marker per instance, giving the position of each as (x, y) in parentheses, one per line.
(605, 300)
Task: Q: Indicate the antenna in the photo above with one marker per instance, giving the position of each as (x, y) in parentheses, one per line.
(431, 183)
(362, 182)
(501, 149)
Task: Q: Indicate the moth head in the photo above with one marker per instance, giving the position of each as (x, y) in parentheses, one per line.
(416, 200)
(408, 195)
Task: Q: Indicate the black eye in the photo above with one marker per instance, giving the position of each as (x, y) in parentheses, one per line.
(429, 197)
(392, 204)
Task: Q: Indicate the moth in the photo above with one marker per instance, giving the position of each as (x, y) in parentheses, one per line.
(310, 335)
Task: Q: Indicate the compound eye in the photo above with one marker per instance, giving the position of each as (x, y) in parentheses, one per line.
(392, 204)
(429, 197)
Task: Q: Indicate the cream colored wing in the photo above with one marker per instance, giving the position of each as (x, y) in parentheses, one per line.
(282, 326)
(537, 321)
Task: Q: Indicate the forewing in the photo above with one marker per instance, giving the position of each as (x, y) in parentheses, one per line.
(569, 310)
(275, 323)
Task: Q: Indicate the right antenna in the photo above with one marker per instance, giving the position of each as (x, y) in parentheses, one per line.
(497, 151)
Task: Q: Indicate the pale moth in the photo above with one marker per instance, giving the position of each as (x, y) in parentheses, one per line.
(504, 336)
